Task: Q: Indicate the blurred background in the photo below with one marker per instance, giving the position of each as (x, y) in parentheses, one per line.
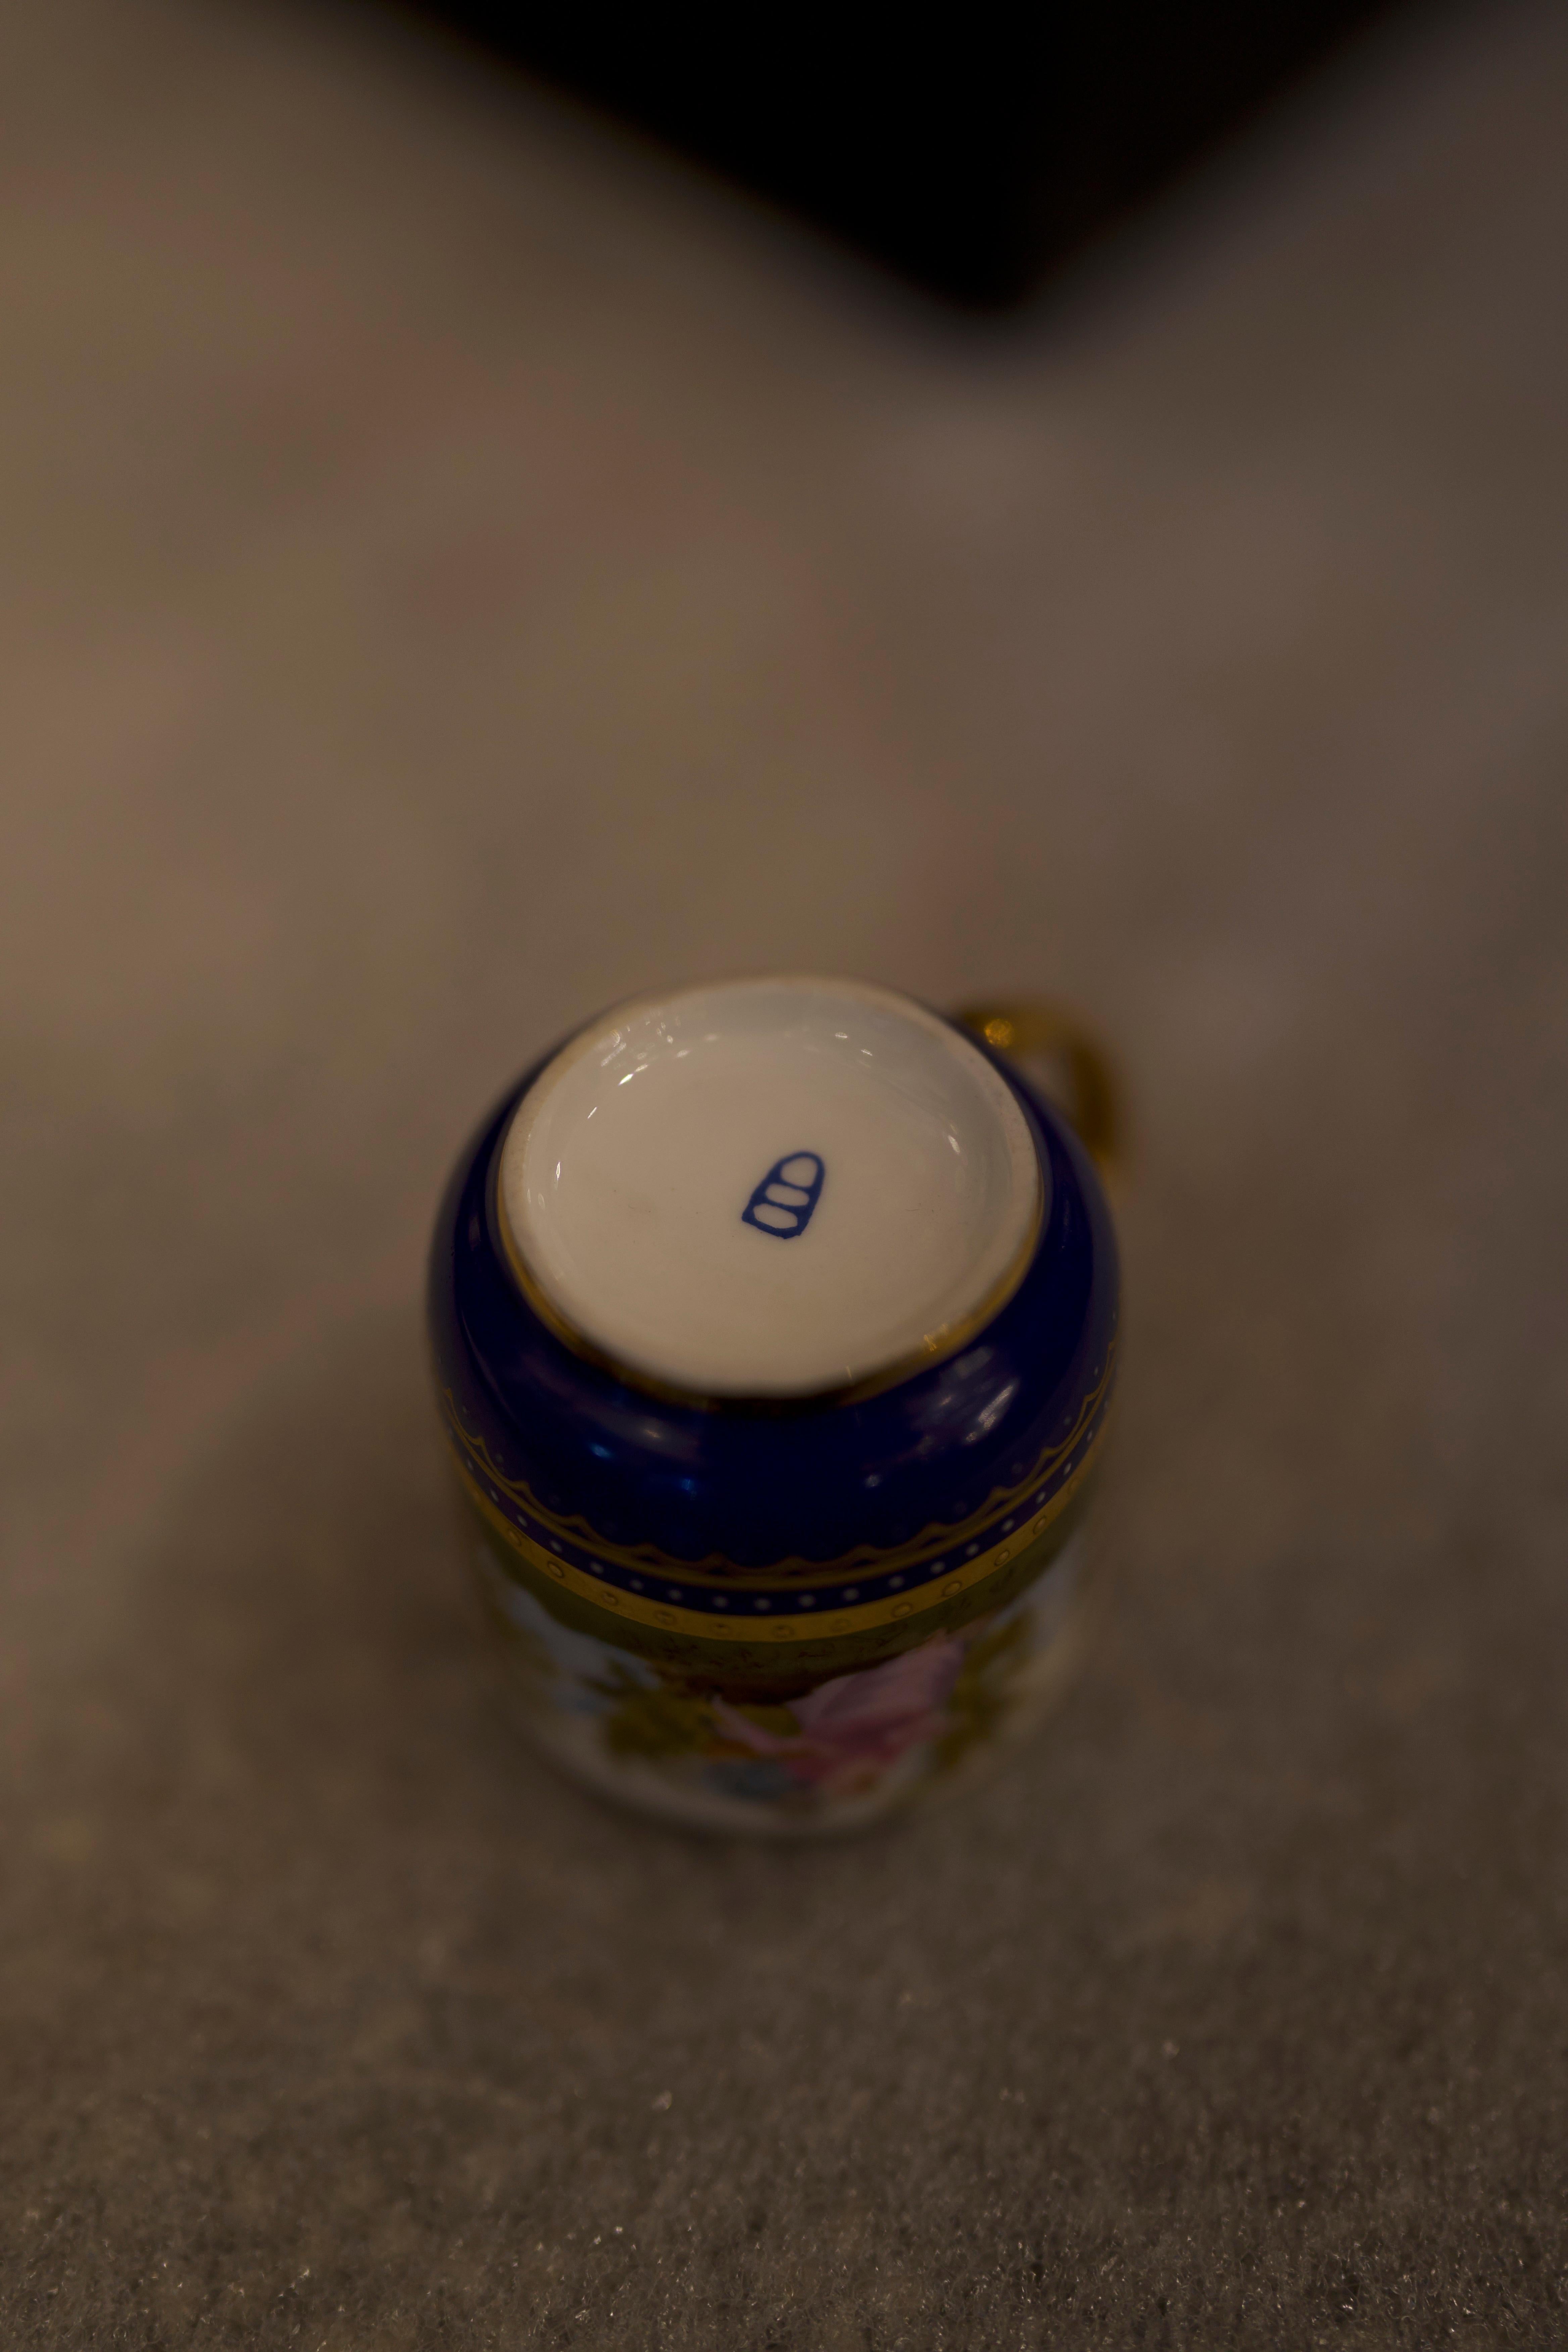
(970, 156)
(466, 558)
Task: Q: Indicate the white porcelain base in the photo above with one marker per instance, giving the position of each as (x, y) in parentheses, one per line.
(770, 1188)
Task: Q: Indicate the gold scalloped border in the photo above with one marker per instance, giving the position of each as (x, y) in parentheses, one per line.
(715, 1569)
(797, 1627)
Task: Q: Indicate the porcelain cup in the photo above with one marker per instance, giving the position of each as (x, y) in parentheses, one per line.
(774, 1332)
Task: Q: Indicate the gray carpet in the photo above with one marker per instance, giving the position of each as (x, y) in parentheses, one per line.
(458, 568)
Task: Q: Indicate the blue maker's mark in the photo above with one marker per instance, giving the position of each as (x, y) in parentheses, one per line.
(784, 1201)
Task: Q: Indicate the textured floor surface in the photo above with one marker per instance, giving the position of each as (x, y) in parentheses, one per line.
(457, 569)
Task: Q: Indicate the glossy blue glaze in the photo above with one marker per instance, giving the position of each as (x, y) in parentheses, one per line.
(607, 1463)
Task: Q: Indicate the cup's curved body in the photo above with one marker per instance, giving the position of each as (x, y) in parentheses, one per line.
(781, 1616)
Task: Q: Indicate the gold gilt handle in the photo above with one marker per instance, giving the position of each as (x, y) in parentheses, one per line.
(1029, 1028)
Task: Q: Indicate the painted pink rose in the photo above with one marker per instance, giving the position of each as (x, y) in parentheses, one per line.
(853, 1728)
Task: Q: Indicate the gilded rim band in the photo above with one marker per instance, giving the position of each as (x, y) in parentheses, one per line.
(803, 1623)
(937, 1544)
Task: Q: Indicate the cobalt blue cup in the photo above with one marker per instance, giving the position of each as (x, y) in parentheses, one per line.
(778, 1612)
